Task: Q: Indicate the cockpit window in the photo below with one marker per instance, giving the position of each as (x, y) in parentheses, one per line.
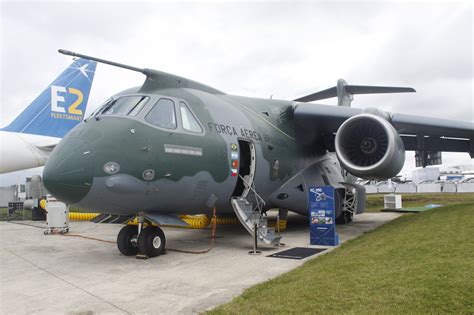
(100, 108)
(162, 114)
(190, 122)
(125, 105)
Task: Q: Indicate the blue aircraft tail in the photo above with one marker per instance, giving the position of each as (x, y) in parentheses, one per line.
(62, 104)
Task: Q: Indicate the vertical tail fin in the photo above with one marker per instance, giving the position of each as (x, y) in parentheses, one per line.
(61, 105)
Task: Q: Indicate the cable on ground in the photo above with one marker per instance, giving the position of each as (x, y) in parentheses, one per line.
(213, 237)
(211, 245)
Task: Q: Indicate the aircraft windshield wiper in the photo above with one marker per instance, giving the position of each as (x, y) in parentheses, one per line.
(139, 103)
(104, 108)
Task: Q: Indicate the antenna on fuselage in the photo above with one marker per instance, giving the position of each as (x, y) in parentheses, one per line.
(155, 79)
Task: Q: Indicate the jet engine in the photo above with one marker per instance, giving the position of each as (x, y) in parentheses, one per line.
(368, 146)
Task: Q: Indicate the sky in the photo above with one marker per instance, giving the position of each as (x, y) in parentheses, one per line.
(259, 49)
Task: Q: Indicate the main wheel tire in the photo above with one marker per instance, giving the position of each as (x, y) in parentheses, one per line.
(344, 217)
(151, 241)
(124, 240)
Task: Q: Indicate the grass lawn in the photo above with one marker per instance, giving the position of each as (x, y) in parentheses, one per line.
(27, 214)
(17, 215)
(375, 202)
(418, 263)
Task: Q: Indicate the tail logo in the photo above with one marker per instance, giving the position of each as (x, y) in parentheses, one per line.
(58, 96)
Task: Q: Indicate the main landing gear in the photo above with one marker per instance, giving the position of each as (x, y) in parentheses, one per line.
(144, 242)
(345, 217)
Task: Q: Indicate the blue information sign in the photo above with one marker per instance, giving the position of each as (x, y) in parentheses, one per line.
(322, 216)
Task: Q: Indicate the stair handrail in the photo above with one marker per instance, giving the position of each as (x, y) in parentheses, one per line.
(259, 199)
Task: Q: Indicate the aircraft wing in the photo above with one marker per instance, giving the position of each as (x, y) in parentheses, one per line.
(315, 122)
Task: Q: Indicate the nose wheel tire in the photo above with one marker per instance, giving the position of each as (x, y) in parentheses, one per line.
(127, 240)
(152, 241)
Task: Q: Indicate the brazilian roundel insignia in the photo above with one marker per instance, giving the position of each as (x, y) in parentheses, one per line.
(233, 146)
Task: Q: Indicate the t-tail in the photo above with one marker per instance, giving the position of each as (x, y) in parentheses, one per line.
(61, 106)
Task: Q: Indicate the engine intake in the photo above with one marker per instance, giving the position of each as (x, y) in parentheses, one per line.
(368, 146)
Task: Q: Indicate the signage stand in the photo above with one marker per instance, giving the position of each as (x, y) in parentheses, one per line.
(322, 216)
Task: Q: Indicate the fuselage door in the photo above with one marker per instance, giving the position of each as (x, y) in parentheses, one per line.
(246, 171)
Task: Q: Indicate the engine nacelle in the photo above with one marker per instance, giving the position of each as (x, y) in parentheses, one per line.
(368, 146)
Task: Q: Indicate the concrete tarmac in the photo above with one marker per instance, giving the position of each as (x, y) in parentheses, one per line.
(61, 274)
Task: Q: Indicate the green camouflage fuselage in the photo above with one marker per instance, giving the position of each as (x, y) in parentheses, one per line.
(188, 167)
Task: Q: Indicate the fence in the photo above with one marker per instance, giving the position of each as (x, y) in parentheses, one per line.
(410, 188)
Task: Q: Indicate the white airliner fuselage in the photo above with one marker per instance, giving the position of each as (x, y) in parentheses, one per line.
(20, 151)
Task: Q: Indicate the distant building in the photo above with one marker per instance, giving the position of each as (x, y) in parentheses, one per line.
(7, 194)
(467, 169)
(423, 174)
(442, 172)
(20, 192)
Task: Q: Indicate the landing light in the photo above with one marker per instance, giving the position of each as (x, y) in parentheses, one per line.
(111, 168)
(148, 174)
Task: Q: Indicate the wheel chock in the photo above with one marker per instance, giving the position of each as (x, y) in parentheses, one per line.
(141, 256)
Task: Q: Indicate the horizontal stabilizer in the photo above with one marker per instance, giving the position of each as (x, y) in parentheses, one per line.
(367, 89)
(344, 92)
(321, 95)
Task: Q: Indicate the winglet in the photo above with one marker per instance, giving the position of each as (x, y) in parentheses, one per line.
(344, 92)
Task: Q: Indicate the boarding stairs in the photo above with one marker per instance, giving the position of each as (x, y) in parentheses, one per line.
(252, 218)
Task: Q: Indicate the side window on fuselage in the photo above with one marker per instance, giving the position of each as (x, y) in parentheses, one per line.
(162, 114)
(190, 123)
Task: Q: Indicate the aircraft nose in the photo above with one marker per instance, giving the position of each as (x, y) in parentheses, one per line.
(68, 172)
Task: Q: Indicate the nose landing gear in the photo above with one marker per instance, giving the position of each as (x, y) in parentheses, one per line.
(151, 242)
(127, 240)
(144, 242)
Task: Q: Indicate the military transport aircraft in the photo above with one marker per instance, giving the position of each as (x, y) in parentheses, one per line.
(28, 140)
(174, 146)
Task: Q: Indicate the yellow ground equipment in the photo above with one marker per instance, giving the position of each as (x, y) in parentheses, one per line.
(198, 221)
(79, 216)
